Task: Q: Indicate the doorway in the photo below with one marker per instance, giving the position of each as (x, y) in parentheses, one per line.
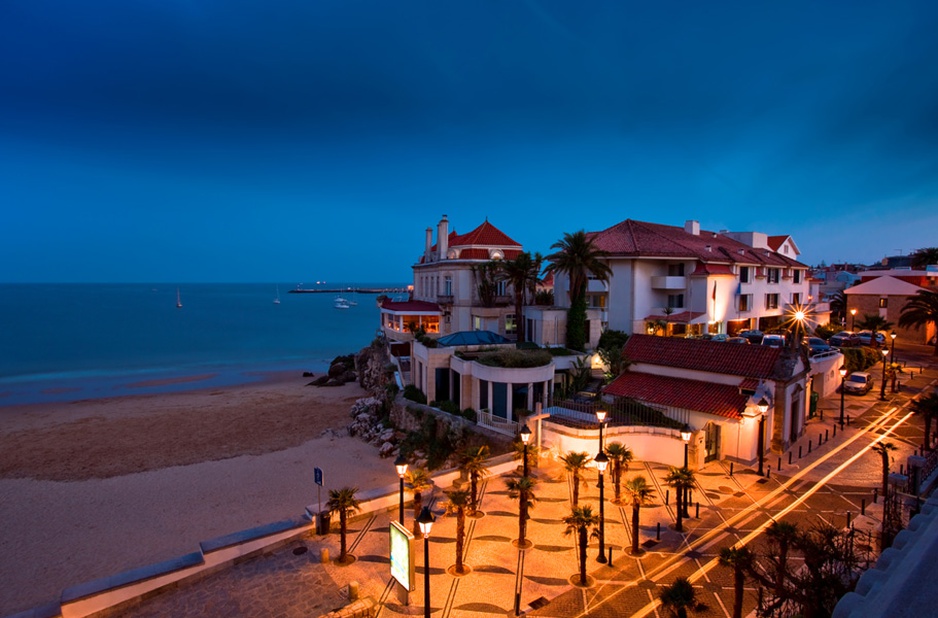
(712, 442)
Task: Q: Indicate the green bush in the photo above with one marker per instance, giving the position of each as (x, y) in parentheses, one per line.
(826, 331)
(470, 415)
(861, 358)
(514, 359)
(414, 394)
(449, 407)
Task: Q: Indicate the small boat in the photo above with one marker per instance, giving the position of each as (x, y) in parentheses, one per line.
(178, 300)
(277, 299)
(341, 303)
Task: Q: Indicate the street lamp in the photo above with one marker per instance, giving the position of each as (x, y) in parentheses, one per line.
(601, 462)
(525, 437)
(892, 350)
(853, 320)
(843, 376)
(763, 406)
(425, 521)
(401, 464)
(685, 436)
(882, 388)
(601, 417)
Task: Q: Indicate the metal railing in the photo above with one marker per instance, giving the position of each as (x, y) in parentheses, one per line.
(624, 412)
(497, 423)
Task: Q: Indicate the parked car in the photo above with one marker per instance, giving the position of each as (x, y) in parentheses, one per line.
(774, 341)
(741, 340)
(754, 336)
(844, 339)
(858, 383)
(817, 345)
(721, 337)
(864, 336)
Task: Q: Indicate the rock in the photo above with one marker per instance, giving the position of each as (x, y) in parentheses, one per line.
(387, 435)
(337, 370)
(320, 381)
(387, 449)
(308, 374)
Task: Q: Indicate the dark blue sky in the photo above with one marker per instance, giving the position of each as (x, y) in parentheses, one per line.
(226, 140)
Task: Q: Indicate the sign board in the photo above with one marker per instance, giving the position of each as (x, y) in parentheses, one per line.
(317, 476)
(402, 555)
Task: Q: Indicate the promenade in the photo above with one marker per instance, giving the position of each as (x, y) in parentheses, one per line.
(826, 484)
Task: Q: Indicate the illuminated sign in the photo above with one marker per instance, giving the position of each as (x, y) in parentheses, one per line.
(402, 555)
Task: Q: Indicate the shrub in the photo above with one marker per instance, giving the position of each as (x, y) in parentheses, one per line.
(449, 407)
(470, 415)
(414, 394)
(861, 358)
(513, 359)
(825, 331)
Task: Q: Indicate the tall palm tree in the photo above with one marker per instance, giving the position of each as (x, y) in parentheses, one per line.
(578, 258)
(883, 449)
(576, 463)
(838, 304)
(681, 480)
(920, 310)
(521, 274)
(924, 257)
(927, 406)
(522, 490)
(679, 597)
(740, 560)
(519, 451)
(874, 323)
(418, 481)
(583, 522)
(472, 463)
(620, 456)
(456, 505)
(783, 534)
(640, 493)
(344, 501)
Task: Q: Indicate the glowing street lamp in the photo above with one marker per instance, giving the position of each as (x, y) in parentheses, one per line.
(425, 521)
(853, 320)
(763, 406)
(892, 350)
(882, 388)
(401, 464)
(601, 462)
(843, 376)
(525, 438)
(601, 417)
(685, 436)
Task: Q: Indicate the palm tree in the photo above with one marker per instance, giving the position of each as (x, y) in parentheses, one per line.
(619, 456)
(927, 406)
(679, 596)
(874, 323)
(521, 274)
(784, 535)
(740, 560)
(472, 463)
(486, 276)
(575, 464)
(418, 481)
(344, 501)
(838, 304)
(681, 480)
(924, 257)
(883, 449)
(522, 489)
(640, 492)
(578, 258)
(583, 522)
(519, 452)
(457, 504)
(920, 310)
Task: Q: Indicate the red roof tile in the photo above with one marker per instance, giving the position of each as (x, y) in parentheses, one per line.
(719, 399)
(751, 361)
(486, 234)
(476, 253)
(410, 306)
(705, 270)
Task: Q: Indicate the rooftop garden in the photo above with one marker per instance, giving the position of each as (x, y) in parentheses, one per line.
(509, 358)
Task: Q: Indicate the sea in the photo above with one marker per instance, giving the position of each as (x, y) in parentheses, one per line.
(68, 342)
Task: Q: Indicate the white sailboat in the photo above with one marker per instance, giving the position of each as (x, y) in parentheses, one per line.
(277, 299)
(341, 303)
(178, 300)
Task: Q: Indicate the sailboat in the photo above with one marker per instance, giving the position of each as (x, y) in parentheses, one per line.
(277, 299)
(178, 299)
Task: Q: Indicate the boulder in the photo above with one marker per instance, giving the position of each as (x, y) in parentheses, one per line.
(387, 449)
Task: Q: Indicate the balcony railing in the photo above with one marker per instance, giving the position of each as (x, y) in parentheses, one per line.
(669, 283)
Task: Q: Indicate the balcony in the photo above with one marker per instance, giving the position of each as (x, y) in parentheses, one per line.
(669, 283)
(444, 299)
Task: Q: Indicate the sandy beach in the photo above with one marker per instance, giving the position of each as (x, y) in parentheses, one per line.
(91, 488)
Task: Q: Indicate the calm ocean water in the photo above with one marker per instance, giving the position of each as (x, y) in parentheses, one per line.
(63, 342)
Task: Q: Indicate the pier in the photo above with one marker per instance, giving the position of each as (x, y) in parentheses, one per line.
(388, 291)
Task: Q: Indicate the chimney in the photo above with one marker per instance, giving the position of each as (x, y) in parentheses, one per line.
(442, 237)
(426, 249)
(692, 227)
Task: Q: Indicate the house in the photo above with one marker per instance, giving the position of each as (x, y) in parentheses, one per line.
(716, 389)
(685, 281)
(885, 296)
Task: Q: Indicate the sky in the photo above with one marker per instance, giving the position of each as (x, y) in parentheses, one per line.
(227, 141)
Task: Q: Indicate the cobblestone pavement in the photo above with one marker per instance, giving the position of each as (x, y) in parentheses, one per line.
(732, 509)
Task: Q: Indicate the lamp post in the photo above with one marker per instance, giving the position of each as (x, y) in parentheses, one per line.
(882, 388)
(425, 521)
(401, 464)
(685, 437)
(601, 462)
(601, 417)
(892, 347)
(853, 320)
(843, 376)
(525, 437)
(763, 406)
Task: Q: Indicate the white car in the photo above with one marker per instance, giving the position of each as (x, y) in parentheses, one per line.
(858, 382)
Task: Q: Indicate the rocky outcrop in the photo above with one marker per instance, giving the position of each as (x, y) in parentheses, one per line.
(341, 371)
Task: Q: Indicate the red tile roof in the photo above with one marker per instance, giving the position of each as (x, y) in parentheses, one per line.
(640, 239)
(719, 399)
(476, 253)
(486, 235)
(751, 361)
(419, 306)
(705, 270)
(776, 242)
(684, 317)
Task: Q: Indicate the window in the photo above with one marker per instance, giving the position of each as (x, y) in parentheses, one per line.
(797, 276)
(773, 275)
(745, 302)
(675, 301)
(676, 270)
(771, 301)
(501, 288)
(796, 298)
(448, 286)
(511, 326)
(744, 274)
(883, 302)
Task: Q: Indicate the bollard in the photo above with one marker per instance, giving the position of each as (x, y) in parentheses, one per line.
(863, 506)
(731, 468)
(875, 494)
(667, 496)
(658, 532)
(779, 466)
(324, 555)
(768, 472)
(789, 457)
(835, 431)
(820, 439)
(697, 512)
(848, 419)
(799, 452)
(353, 591)
(610, 555)
(848, 518)
(827, 435)
(809, 447)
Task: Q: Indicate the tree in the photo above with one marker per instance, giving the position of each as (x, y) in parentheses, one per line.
(927, 407)
(783, 535)
(486, 276)
(418, 481)
(838, 304)
(883, 449)
(874, 324)
(472, 463)
(740, 560)
(519, 452)
(522, 490)
(344, 502)
(576, 463)
(521, 274)
(619, 456)
(920, 310)
(609, 348)
(577, 258)
(679, 597)
(640, 493)
(681, 480)
(583, 522)
(457, 505)
(924, 257)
